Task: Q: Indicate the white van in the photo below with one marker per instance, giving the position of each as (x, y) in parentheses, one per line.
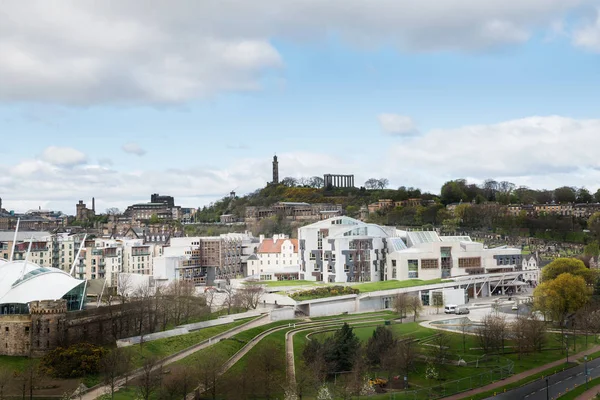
(450, 309)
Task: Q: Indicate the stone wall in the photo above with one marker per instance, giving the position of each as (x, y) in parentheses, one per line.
(49, 325)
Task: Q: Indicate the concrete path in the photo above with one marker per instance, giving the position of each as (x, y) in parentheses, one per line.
(522, 375)
(96, 392)
(589, 394)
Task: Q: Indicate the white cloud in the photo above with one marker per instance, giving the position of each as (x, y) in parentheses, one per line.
(133, 148)
(536, 151)
(587, 36)
(541, 152)
(63, 156)
(150, 51)
(397, 125)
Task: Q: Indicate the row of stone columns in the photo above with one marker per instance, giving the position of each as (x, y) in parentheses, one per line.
(339, 180)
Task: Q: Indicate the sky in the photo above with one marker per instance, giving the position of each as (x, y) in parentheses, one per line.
(120, 99)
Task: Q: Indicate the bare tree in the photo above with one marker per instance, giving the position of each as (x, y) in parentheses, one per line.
(231, 300)
(401, 304)
(113, 365)
(407, 356)
(150, 377)
(492, 333)
(124, 286)
(464, 326)
(209, 297)
(113, 211)
(415, 307)
(250, 295)
(178, 383)
(317, 182)
(441, 347)
(208, 371)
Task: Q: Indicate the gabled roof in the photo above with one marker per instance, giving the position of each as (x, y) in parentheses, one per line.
(270, 246)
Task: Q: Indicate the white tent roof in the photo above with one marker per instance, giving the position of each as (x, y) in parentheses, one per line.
(23, 283)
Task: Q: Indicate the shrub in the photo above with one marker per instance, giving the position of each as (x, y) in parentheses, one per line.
(328, 291)
(74, 361)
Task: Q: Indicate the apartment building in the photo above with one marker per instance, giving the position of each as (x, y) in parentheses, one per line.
(294, 211)
(343, 249)
(276, 258)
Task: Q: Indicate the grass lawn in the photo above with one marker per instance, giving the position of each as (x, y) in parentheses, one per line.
(289, 283)
(14, 363)
(393, 284)
(164, 347)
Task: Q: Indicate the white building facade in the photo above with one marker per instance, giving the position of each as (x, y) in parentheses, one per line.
(276, 258)
(343, 249)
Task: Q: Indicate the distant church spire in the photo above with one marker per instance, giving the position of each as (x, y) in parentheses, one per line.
(275, 170)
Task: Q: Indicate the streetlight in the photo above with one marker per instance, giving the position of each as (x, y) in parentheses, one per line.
(586, 372)
(567, 346)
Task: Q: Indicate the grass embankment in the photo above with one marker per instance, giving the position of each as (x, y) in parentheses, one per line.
(393, 284)
(165, 347)
(289, 283)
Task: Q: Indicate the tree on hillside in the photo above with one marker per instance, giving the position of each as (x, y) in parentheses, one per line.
(572, 266)
(591, 250)
(565, 194)
(289, 181)
(593, 224)
(453, 192)
(317, 182)
(371, 183)
(382, 183)
(561, 296)
(584, 196)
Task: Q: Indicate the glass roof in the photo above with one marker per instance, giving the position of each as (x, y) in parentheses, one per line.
(455, 239)
(397, 244)
(31, 274)
(415, 238)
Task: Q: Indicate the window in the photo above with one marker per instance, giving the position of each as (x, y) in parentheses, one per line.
(469, 262)
(333, 257)
(312, 256)
(320, 240)
(393, 263)
(413, 269)
(431, 263)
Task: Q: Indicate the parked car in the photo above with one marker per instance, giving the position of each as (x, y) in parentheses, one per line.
(450, 309)
(462, 310)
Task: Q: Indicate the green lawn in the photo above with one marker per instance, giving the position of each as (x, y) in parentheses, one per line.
(164, 347)
(393, 284)
(289, 283)
(14, 363)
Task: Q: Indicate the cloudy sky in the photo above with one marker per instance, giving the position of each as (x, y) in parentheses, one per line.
(120, 99)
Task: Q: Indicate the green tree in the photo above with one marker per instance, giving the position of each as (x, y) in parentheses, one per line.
(584, 196)
(343, 349)
(154, 219)
(592, 249)
(565, 194)
(593, 224)
(572, 266)
(378, 344)
(561, 296)
(453, 192)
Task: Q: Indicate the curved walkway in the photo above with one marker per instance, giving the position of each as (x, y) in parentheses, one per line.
(98, 391)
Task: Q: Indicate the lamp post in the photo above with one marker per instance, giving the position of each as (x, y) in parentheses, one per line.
(586, 372)
(567, 346)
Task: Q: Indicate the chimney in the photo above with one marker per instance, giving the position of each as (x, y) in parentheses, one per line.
(93, 204)
(261, 238)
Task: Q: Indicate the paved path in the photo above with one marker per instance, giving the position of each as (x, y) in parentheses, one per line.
(589, 394)
(101, 390)
(522, 375)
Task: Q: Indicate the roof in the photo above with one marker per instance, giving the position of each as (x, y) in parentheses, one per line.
(397, 244)
(8, 236)
(271, 246)
(455, 239)
(415, 238)
(23, 282)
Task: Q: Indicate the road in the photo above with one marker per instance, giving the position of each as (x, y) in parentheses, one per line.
(557, 383)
